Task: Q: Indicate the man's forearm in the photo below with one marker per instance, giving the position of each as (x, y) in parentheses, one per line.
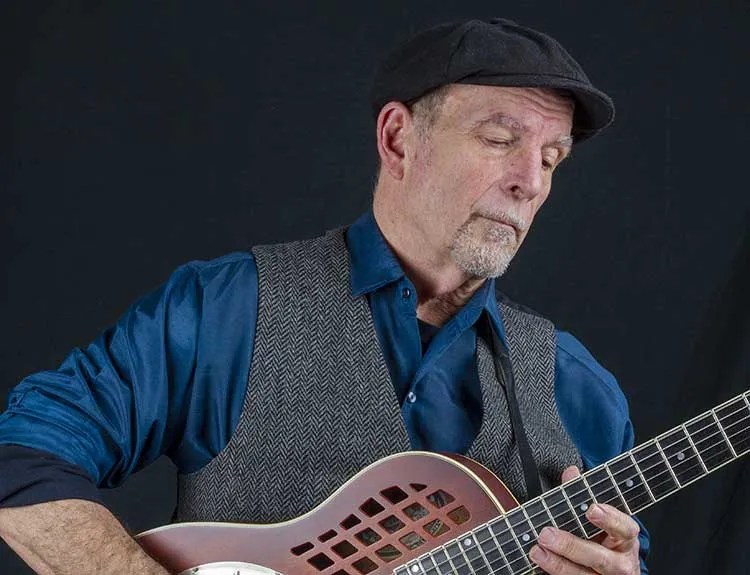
(73, 537)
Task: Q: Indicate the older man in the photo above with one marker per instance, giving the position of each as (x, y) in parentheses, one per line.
(326, 354)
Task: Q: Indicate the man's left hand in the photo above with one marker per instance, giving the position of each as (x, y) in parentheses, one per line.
(561, 553)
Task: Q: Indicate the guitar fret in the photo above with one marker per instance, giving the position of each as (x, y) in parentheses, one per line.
(549, 513)
(522, 529)
(666, 461)
(710, 442)
(508, 543)
(561, 511)
(485, 558)
(495, 549)
(681, 456)
(734, 417)
(638, 470)
(457, 558)
(619, 492)
(654, 470)
(573, 511)
(442, 561)
(697, 453)
(604, 488)
(634, 492)
(581, 498)
(724, 433)
(474, 556)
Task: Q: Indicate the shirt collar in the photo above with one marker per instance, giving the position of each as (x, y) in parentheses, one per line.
(374, 265)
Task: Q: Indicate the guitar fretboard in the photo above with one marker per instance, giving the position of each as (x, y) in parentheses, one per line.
(631, 482)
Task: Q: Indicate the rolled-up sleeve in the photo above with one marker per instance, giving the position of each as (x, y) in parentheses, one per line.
(168, 377)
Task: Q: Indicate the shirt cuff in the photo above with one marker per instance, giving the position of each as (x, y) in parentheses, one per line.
(29, 476)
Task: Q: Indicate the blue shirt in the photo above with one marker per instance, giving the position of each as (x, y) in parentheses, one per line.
(170, 377)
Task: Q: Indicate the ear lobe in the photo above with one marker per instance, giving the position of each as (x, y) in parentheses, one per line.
(393, 120)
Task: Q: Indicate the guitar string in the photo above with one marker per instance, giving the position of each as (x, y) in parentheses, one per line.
(573, 523)
(523, 556)
(696, 443)
(617, 497)
(519, 551)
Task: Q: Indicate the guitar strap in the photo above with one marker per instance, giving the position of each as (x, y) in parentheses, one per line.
(504, 374)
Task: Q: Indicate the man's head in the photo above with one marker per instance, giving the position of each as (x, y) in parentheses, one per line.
(466, 163)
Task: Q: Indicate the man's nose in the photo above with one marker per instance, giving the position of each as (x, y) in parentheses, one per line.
(525, 176)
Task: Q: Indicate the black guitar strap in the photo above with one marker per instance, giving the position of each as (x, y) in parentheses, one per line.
(504, 375)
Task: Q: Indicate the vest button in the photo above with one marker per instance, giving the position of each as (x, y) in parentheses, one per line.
(411, 397)
(406, 292)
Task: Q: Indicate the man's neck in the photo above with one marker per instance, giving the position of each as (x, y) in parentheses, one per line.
(442, 288)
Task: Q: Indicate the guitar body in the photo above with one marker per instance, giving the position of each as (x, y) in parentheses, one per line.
(395, 510)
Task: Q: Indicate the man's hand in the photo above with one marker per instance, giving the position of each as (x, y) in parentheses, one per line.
(561, 553)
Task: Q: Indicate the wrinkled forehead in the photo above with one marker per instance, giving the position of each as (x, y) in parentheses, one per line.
(516, 107)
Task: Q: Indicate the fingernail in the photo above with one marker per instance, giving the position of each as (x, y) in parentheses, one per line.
(596, 512)
(537, 554)
(547, 536)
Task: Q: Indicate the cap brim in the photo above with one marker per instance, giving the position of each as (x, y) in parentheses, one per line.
(594, 110)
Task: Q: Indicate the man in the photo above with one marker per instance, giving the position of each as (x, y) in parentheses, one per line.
(367, 341)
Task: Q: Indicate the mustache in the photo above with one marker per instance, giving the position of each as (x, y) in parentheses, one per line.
(504, 217)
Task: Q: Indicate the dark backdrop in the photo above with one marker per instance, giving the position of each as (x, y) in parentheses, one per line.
(138, 136)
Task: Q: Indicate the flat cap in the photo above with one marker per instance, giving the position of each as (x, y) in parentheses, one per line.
(496, 52)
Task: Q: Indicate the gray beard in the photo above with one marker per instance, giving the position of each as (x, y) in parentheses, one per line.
(483, 253)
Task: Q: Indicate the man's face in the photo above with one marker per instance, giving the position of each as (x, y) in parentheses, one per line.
(482, 171)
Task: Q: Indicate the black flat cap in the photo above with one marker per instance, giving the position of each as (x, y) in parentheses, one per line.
(497, 52)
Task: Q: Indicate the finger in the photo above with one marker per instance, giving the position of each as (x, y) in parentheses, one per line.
(554, 564)
(615, 523)
(586, 553)
(570, 473)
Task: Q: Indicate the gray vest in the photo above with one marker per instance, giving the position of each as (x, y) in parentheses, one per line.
(320, 404)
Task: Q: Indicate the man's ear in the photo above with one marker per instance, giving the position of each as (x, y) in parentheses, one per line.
(394, 123)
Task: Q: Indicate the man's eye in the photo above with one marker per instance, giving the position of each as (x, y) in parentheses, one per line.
(501, 143)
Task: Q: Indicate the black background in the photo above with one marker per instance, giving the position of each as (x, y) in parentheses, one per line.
(138, 136)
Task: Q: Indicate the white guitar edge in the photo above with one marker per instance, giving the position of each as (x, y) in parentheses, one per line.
(453, 462)
(229, 568)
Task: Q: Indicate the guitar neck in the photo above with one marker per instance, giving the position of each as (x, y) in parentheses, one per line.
(630, 482)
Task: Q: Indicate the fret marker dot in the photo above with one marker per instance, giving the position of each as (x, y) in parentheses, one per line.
(415, 568)
(584, 507)
(680, 456)
(525, 537)
(629, 483)
(467, 542)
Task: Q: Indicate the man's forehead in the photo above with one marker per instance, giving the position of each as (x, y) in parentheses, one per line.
(514, 108)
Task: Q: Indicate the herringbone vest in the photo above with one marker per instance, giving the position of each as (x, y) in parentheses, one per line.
(320, 404)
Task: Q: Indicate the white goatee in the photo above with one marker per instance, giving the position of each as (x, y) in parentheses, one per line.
(485, 248)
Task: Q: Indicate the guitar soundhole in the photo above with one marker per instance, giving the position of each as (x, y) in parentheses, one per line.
(320, 561)
(392, 524)
(371, 507)
(411, 540)
(388, 553)
(365, 565)
(327, 535)
(302, 549)
(350, 522)
(344, 549)
(368, 536)
(459, 515)
(436, 528)
(440, 498)
(394, 494)
(415, 512)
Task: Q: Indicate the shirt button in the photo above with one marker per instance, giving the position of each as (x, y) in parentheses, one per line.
(406, 292)
(411, 397)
